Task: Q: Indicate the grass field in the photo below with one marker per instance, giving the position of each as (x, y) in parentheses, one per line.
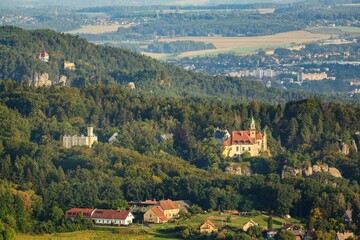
(340, 30)
(155, 232)
(90, 29)
(249, 45)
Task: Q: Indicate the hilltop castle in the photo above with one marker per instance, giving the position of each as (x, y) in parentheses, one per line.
(70, 141)
(238, 142)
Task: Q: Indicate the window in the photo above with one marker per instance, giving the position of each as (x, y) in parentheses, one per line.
(249, 148)
(237, 149)
(243, 149)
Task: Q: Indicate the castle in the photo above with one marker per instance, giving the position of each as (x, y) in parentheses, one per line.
(238, 142)
(70, 141)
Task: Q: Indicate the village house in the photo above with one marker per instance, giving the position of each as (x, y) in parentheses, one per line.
(43, 56)
(162, 211)
(208, 227)
(142, 206)
(70, 141)
(155, 215)
(237, 143)
(343, 236)
(170, 209)
(347, 217)
(102, 216)
(250, 223)
(112, 217)
(84, 212)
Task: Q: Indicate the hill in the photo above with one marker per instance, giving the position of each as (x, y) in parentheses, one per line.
(109, 65)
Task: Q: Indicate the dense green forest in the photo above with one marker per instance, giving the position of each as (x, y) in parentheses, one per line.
(40, 179)
(110, 65)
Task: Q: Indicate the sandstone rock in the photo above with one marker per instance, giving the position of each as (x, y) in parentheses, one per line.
(324, 167)
(238, 170)
(62, 80)
(321, 168)
(40, 80)
(335, 172)
(308, 171)
(290, 171)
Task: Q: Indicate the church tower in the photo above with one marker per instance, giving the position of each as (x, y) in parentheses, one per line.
(252, 129)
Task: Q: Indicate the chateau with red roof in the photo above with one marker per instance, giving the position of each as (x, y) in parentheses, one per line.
(237, 143)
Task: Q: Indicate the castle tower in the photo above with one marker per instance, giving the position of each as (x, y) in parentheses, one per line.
(90, 132)
(252, 129)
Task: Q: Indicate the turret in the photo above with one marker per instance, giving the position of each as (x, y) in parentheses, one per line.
(252, 129)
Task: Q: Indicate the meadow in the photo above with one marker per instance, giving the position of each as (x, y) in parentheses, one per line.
(159, 231)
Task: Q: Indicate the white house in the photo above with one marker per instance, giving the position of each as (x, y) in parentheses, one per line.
(112, 217)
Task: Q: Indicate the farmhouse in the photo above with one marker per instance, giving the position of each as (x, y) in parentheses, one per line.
(112, 217)
(249, 224)
(142, 206)
(238, 142)
(162, 212)
(70, 141)
(155, 215)
(102, 216)
(208, 227)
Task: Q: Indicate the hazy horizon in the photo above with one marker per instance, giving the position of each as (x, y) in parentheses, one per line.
(97, 3)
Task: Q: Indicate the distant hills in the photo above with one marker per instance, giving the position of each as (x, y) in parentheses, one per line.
(108, 65)
(99, 3)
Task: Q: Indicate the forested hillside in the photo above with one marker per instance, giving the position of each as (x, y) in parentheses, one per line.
(40, 179)
(109, 65)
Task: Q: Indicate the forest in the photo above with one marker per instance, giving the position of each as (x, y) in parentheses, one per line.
(40, 179)
(109, 65)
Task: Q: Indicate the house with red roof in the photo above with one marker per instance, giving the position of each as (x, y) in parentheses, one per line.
(112, 217)
(208, 227)
(162, 212)
(43, 56)
(239, 142)
(102, 216)
(170, 208)
(155, 215)
(85, 212)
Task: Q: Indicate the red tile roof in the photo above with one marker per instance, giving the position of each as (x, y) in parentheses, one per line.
(168, 205)
(87, 212)
(209, 223)
(159, 213)
(241, 137)
(110, 214)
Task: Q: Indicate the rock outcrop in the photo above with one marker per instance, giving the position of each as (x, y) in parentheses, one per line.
(40, 80)
(236, 169)
(307, 172)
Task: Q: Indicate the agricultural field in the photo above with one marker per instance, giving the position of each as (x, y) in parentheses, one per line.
(249, 45)
(99, 29)
(159, 231)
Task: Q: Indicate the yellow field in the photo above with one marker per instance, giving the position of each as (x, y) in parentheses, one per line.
(90, 29)
(245, 45)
